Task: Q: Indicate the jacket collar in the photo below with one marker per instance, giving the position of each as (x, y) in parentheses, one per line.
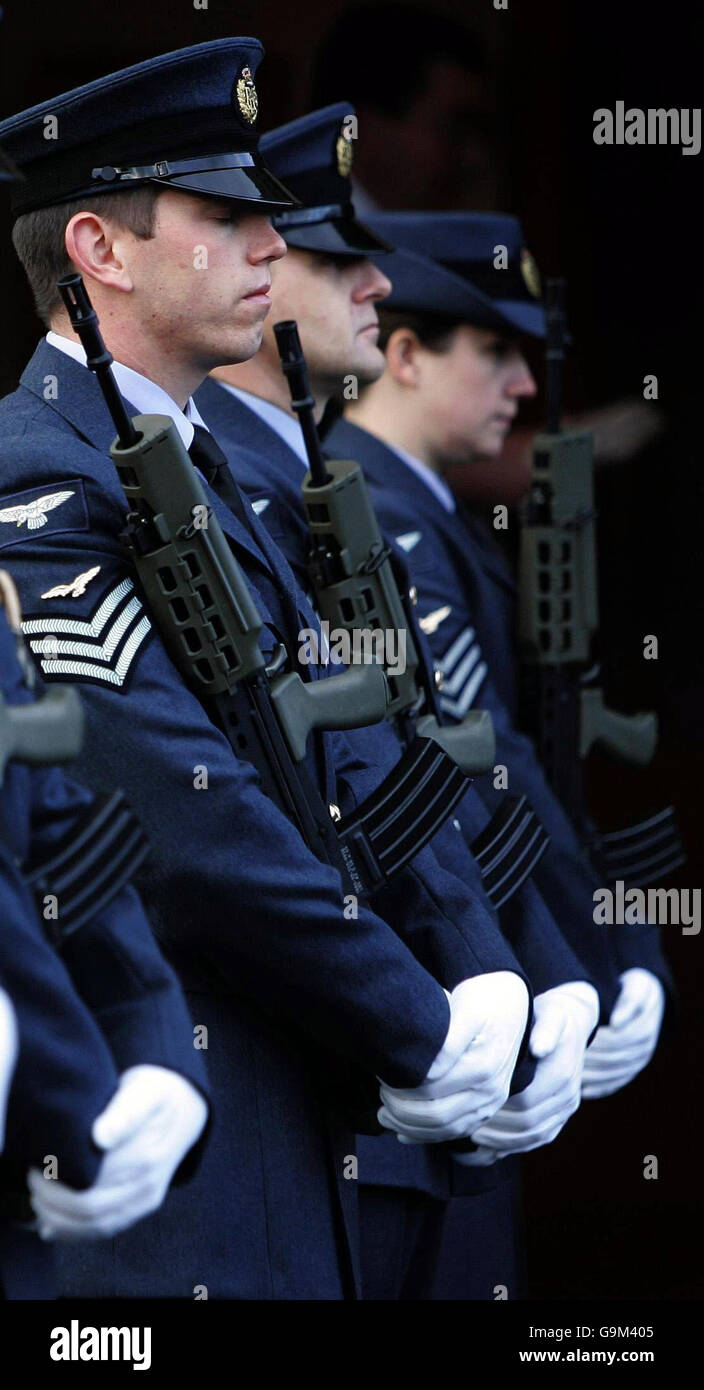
(235, 426)
(388, 472)
(79, 400)
(382, 465)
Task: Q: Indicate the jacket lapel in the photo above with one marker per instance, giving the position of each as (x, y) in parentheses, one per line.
(72, 392)
(388, 472)
(235, 425)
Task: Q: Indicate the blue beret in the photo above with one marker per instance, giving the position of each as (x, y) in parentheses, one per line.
(313, 157)
(471, 265)
(185, 119)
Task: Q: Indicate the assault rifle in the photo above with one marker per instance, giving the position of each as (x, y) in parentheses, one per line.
(562, 704)
(357, 587)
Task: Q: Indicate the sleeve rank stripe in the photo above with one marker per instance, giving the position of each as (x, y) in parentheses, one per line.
(454, 652)
(459, 707)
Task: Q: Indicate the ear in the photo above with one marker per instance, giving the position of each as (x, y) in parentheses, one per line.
(94, 246)
(403, 356)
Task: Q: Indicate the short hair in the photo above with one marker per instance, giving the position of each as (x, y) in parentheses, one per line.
(433, 330)
(39, 237)
(344, 66)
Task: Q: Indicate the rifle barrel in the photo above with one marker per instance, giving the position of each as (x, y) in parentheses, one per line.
(84, 322)
(555, 353)
(293, 365)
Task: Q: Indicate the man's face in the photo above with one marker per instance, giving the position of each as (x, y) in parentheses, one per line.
(200, 283)
(333, 299)
(471, 392)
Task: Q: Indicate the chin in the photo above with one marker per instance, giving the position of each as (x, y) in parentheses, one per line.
(245, 344)
(462, 453)
(369, 366)
(492, 446)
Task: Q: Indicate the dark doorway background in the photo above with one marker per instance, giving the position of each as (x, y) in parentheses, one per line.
(624, 225)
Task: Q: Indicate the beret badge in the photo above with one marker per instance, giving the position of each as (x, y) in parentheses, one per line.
(530, 273)
(344, 153)
(247, 98)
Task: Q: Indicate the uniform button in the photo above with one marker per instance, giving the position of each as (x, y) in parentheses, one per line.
(439, 678)
(335, 812)
(413, 595)
(456, 824)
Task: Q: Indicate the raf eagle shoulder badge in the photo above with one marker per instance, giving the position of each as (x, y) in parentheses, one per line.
(34, 513)
(247, 98)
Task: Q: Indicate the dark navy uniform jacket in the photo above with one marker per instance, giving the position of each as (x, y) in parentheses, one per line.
(103, 1001)
(454, 567)
(271, 473)
(252, 920)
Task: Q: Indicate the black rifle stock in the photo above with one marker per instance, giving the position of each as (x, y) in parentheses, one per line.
(558, 619)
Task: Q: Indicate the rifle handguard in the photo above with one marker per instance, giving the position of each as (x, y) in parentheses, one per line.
(363, 593)
(558, 607)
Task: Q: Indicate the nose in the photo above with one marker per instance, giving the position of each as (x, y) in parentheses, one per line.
(521, 384)
(265, 244)
(370, 284)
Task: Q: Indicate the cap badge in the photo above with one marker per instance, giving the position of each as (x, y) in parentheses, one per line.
(345, 153)
(247, 98)
(530, 273)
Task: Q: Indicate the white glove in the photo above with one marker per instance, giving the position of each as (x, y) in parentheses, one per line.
(564, 1019)
(147, 1128)
(8, 1056)
(470, 1077)
(626, 1044)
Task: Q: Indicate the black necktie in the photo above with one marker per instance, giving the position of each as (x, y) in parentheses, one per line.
(207, 455)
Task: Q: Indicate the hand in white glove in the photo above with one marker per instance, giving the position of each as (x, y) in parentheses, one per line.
(8, 1056)
(564, 1019)
(470, 1077)
(626, 1044)
(147, 1128)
